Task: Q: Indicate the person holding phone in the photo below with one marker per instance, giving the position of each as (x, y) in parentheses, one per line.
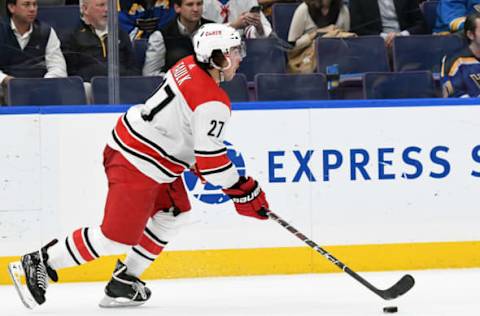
(244, 15)
(317, 17)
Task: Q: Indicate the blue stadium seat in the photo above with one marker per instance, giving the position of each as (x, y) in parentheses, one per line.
(282, 14)
(140, 48)
(398, 85)
(133, 89)
(423, 52)
(237, 88)
(278, 87)
(62, 18)
(43, 91)
(353, 55)
(263, 56)
(429, 10)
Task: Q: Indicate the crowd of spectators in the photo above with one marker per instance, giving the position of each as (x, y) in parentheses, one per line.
(31, 48)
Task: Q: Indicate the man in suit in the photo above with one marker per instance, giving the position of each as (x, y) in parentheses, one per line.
(387, 18)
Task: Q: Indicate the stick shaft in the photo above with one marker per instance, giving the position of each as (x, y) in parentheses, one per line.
(323, 252)
(306, 240)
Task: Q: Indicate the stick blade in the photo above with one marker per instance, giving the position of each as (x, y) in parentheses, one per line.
(401, 287)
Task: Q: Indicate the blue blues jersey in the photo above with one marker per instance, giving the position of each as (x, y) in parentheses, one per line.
(451, 14)
(131, 10)
(460, 75)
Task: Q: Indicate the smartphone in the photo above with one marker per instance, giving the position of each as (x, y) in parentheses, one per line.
(256, 9)
(333, 76)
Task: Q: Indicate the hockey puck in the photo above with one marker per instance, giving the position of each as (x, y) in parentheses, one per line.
(390, 309)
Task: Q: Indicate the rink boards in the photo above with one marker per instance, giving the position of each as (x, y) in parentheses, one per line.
(384, 185)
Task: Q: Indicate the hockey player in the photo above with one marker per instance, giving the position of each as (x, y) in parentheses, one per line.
(460, 74)
(181, 125)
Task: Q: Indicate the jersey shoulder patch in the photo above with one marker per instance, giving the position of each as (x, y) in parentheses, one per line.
(196, 86)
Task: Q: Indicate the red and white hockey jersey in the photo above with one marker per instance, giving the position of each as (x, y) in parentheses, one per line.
(182, 123)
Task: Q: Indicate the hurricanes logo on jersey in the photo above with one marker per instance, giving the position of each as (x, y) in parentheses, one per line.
(208, 193)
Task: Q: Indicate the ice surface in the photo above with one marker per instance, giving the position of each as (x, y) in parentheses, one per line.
(436, 293)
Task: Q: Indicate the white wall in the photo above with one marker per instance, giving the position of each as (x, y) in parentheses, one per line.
(52, 181)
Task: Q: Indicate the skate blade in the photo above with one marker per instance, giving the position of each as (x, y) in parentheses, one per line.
(16, 272)
(111, 302)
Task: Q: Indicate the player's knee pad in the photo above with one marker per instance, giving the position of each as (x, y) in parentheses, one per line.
(105, 246)
(166, 225)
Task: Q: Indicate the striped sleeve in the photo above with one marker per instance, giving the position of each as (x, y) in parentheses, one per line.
(452, 13)
(209, 124)
(457, 24)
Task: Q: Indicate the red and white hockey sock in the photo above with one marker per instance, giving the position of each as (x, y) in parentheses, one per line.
(160, 229)
(141, 256)
(82, 246)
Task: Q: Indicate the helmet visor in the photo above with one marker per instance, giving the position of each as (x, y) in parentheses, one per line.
(240, 50)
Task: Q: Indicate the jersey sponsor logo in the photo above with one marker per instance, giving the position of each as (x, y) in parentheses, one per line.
(370, 164)
(208, 193)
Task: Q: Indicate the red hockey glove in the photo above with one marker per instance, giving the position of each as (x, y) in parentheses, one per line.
(248, 198)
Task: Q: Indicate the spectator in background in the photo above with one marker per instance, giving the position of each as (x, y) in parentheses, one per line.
(239, 14)
(140, 18)
(312, 19)
(387, 18)
(451, 14)
(86, 48)
(460, 75)
(28, 47)
(170, 44)
(317, 16)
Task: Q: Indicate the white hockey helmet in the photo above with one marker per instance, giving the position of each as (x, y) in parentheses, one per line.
(214, 36)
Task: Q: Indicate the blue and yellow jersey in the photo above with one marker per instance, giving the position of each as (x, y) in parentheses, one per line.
(451, 14)
(460, 75)
(132, 10)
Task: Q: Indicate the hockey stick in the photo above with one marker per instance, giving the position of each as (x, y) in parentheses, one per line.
(398, 289)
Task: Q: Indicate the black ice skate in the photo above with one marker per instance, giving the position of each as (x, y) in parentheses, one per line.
(34, 267)
(124, 290)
